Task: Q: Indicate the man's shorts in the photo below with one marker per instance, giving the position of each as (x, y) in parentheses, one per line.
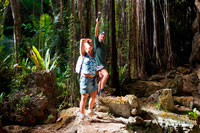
(98, 68)
(88, 85)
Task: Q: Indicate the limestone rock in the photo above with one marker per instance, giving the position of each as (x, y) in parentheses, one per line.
(122, 106)
(134, 103)
(175, 84)
(166, 100)
(142, 88)
(36, 103)
(186, 101)
(184, 70)
(117, 105)
(16, 129)
(190, 84)
(164, 97)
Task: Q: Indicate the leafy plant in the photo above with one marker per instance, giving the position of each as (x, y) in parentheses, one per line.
(131, 127)
(158, 105)
(25, 100)
(194, 114)
(2, 96)
(43, 64)
(122, 74)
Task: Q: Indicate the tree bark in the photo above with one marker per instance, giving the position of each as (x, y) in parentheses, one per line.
(17, 26)
(80, 16)
(155, 39)
(114, 72)
(88, 17)
(61, 12)
(169, 55)
(73, 51)
(135, 38)
(96, 8)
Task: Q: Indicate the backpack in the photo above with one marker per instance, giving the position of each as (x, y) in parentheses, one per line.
(79, 64)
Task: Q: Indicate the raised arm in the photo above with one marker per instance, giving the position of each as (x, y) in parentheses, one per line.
(82, 45)
(97, 27)
(82, 48)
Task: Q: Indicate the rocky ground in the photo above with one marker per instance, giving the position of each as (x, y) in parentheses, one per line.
(160, 104)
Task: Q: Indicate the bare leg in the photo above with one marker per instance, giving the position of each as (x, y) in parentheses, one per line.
(83, 102)
(105, 75)
(92, 99)
(100, 80)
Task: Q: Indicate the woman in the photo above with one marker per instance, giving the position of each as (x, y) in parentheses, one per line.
(88, 83)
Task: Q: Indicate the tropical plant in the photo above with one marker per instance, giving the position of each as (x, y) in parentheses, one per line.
(194, 114)
(122, 74)
(2, 96)
(43, 64)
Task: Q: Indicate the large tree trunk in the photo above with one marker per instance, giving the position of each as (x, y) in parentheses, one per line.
(135, 37)
(73, 56)
(169, 53)
(88, 17)
(96, 8)
(80, 16)
(114, 72)
(131, 38)
(140, 46)
(61, 12)
(155, 39)
(17, 26)
(195, 55)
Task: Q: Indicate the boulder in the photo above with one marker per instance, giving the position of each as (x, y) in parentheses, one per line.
(190, 84)
(16, 129)
(121, 106)
(186, 101)
(164, 97)
(142, 88)
(35, 104)
(175, 84)
(166, 100)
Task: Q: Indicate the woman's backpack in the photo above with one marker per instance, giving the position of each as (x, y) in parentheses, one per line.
(79, 64)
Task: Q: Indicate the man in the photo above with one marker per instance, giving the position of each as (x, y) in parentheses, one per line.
(100, 57)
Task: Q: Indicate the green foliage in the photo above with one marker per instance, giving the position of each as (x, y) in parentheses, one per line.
(25, 100)
(17, 83)
(3, 4)
(44, 63)
(39, 58)
(131, 127)
(2, 96)
(158, 105)
(179, 1)
(122, 74)
(6, 70)
(194, 114)
(63, 79)
(1, 32)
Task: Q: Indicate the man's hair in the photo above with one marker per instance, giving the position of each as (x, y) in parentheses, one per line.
(102, 33)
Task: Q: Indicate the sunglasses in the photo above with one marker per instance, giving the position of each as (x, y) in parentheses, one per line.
(89, 42)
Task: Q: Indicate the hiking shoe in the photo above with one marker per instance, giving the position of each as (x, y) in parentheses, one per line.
(90, 113)
(100, 92)
(82, 116)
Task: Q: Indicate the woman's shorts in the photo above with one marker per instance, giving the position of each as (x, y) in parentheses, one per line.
(88, 85)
